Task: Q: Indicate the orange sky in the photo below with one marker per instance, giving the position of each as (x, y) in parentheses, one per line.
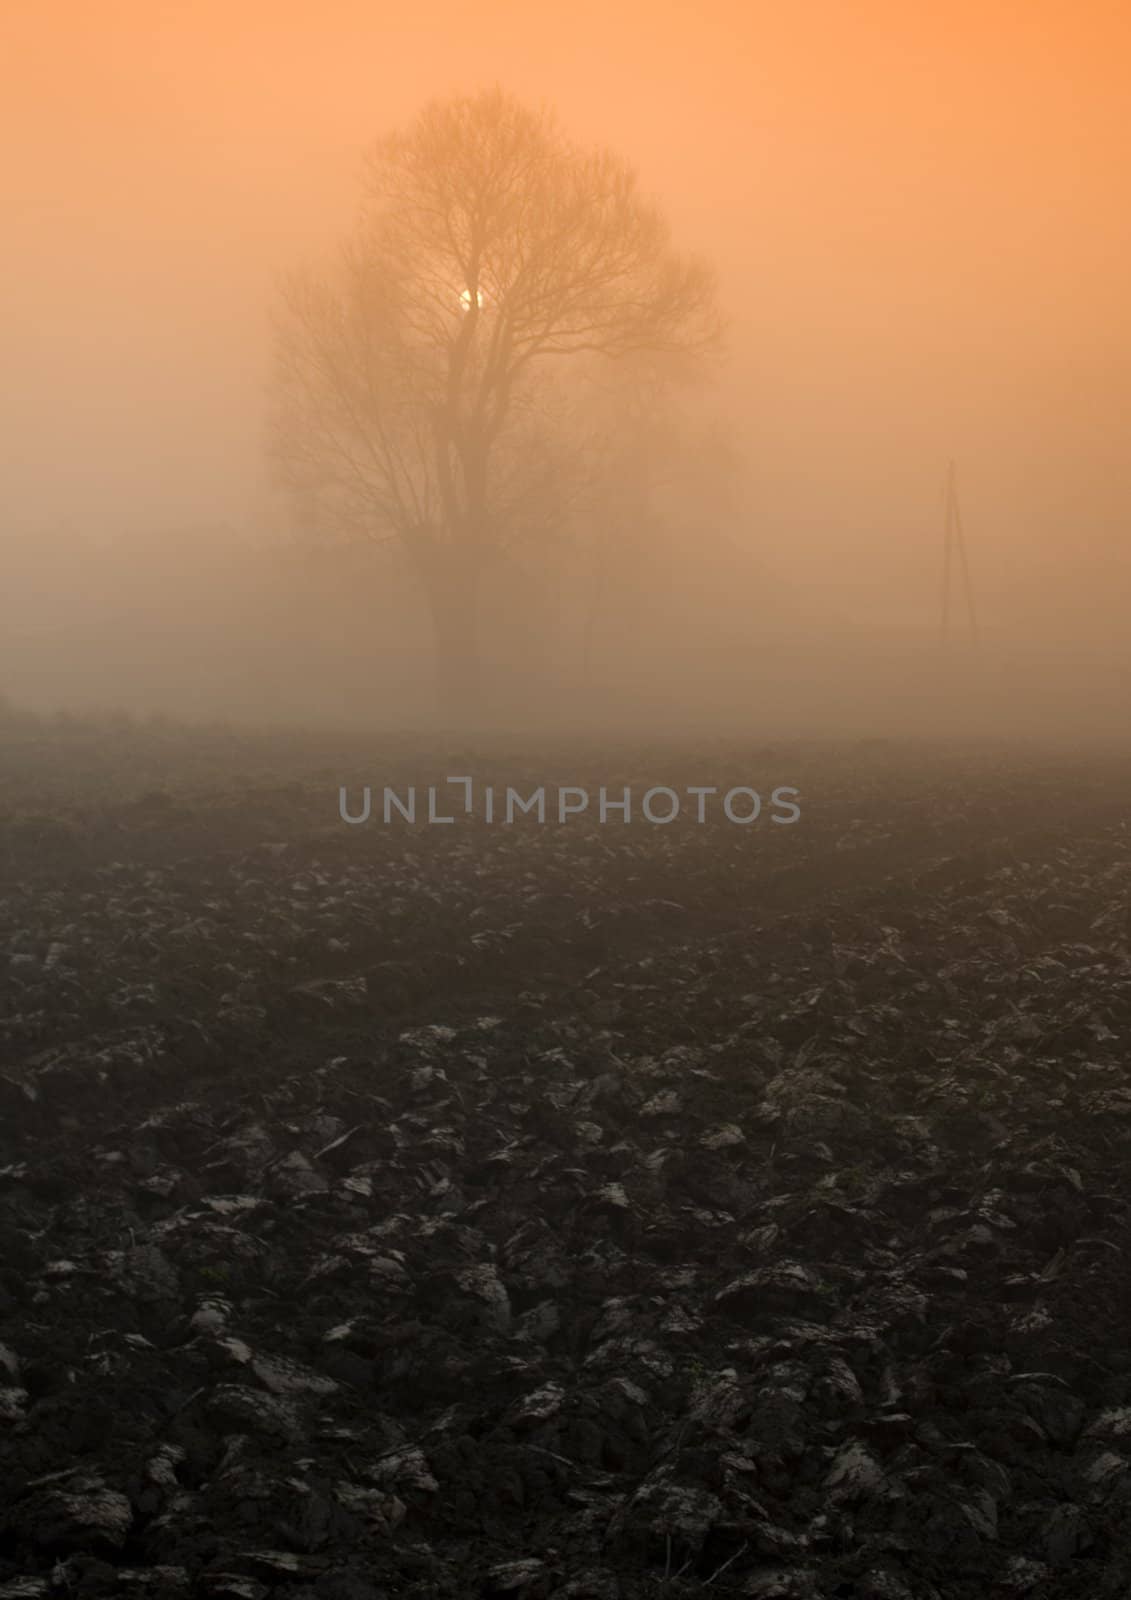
(919, 212)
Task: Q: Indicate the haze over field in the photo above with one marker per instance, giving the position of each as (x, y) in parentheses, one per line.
(918, 218)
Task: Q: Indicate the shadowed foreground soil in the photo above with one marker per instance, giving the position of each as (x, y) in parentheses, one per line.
(562, 1210)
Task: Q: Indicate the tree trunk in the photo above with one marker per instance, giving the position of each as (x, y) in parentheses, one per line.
(453, 598)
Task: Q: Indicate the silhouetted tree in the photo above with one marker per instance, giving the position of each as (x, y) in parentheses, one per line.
(430, 386)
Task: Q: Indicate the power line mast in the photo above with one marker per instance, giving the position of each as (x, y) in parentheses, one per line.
(956, 566)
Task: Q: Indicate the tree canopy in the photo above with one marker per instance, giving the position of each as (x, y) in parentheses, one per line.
(429, 384)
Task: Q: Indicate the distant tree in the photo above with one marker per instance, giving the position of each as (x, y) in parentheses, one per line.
(431, 386)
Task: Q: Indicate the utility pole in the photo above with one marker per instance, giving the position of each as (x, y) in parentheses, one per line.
(954, 555)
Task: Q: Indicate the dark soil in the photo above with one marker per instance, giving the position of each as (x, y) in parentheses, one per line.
(562, 1210)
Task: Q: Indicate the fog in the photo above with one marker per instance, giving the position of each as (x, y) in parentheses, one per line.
(919, 221)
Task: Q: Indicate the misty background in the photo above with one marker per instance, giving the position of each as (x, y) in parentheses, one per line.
(920, 226)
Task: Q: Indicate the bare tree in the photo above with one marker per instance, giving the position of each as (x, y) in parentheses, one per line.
(430, 387)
